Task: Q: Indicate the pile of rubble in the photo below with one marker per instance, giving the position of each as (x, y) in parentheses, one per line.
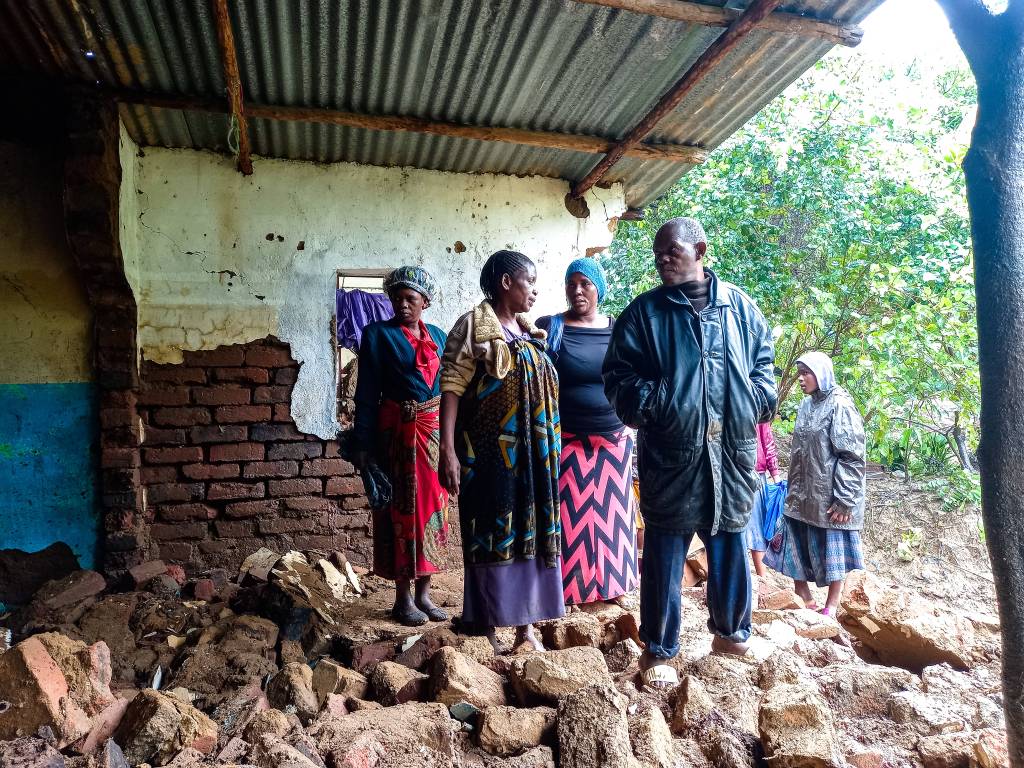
(292, 664)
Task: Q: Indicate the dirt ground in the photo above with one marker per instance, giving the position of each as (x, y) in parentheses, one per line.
(948, 560)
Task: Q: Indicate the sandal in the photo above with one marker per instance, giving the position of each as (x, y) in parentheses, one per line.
(410, 617)
(660, 677)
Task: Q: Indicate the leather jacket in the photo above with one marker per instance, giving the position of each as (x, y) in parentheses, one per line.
(695, 385)
(826, 463)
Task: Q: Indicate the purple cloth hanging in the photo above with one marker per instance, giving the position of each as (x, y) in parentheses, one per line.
(357, 309)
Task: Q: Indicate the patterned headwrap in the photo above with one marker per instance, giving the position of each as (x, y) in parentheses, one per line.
(416, 278)
(591, 270)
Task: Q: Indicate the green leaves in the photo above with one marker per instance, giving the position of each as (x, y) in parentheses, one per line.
(847, 223)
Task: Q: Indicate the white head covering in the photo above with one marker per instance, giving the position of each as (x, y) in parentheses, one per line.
(821, 366)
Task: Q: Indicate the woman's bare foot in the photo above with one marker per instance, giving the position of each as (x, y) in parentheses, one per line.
(499, 649)
(721, 644)
(525, 634)
(803, 591)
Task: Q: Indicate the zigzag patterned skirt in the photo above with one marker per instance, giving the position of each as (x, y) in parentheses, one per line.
(598, 518)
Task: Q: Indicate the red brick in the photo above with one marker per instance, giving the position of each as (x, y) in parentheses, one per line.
(286, 376)
(221, 491)
(234, 529)
(283, 412)
(210, 471)
(174, 374)
(116, 456)
(272, 395)
(181, 417)
(226, 395)
(293, 451)
(158, 475)
(117, 417)
(204, 590)
(310, 504)
(237, 452)
(326, 468)
(252, 508)
(355, 502)
(268, 356)
(251, 375)
(157, 436)
(158, 494)
(286, 525)
(178, 455)
(172, 531)
(117, 398)
(233, 414)
(296, 487)
(268, 433)
(217, 433)
(333, 541)
(215, 357)
(332, 450)
(164, 395)
(178, 512)
(216, 546)
(176, 551)
(344, 486)
(271, 469)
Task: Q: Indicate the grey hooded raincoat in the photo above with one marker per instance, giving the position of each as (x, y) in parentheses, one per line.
(826, 465)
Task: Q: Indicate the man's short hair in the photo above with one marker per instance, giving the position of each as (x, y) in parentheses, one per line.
(686, 229)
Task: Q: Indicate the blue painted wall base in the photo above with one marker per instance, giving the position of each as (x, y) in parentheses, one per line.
(48, 468)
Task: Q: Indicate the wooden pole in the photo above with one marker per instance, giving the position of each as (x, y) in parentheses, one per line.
(707, 61)
(229, 59)
(836, 32)
(677, 153)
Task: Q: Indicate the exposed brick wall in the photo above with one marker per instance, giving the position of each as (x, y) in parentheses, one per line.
(92, 182)
(225, 471)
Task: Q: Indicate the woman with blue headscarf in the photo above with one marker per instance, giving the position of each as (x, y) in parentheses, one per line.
(599, 553)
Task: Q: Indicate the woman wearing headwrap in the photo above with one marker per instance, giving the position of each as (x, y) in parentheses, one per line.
(824, 510)
(398, 400)
(599, 554)
(499, 452)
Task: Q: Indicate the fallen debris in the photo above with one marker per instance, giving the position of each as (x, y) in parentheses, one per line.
(908, 632)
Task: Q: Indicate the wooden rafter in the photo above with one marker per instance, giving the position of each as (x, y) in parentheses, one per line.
(229, 60)
(836, 32)
(679, 153)
(705, 63)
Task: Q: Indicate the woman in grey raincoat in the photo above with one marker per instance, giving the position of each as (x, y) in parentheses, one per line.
(824, 512)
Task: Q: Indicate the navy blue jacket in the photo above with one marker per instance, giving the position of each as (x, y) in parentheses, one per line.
(387, 371)
(695, 385)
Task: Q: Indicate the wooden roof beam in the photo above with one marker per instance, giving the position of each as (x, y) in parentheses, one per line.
(755, 13)
(229, 61)
(596, 145)
(835, 32)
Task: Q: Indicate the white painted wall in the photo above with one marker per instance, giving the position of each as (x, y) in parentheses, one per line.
(219, 260)
(128, 207)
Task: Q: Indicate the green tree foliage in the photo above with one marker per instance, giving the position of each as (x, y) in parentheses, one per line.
(849, 227)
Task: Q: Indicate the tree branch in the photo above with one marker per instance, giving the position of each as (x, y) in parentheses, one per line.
(971, 23)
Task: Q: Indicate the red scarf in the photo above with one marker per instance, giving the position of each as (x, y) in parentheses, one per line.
(427, 361)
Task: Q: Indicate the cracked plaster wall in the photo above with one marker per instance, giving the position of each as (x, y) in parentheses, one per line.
(225, 259)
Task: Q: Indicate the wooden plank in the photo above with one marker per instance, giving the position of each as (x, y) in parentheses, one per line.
(836, 32)
(707, 61)
(595, 145)
(229, 60)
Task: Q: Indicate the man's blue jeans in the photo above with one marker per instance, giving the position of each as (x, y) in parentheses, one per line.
(661, 578)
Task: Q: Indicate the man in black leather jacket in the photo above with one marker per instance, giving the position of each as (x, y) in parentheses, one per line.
(690, 365)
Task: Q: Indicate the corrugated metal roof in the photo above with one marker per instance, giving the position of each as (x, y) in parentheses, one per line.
(552, 65)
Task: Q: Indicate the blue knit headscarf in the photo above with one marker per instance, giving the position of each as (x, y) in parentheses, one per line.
(591, 270)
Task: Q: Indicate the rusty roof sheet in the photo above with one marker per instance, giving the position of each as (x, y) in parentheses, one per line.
(552, 65)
